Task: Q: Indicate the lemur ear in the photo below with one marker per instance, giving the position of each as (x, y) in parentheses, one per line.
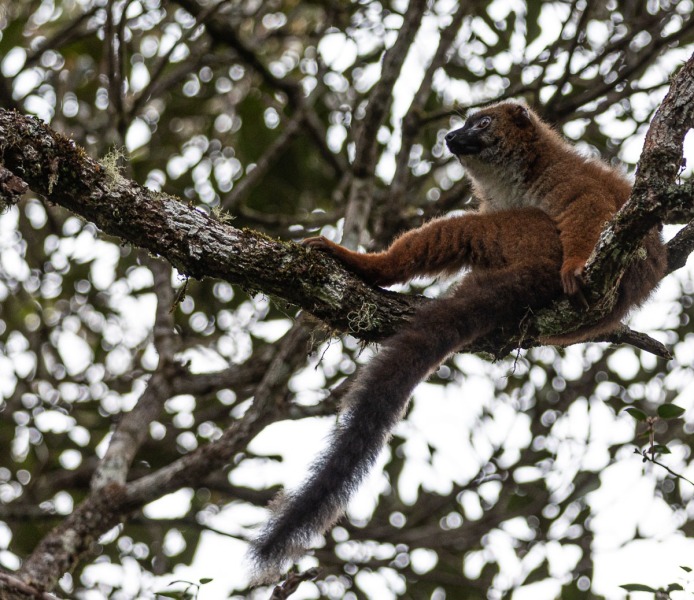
(521, 116)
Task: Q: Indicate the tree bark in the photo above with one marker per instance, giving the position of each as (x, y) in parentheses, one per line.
(199, 245)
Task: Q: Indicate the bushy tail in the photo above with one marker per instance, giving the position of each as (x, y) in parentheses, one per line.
(483, 301)
(374, 405)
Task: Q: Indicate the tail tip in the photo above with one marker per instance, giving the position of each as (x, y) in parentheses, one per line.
(269, 560)
(264, 568)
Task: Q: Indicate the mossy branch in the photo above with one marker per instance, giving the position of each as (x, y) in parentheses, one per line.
(199, 245)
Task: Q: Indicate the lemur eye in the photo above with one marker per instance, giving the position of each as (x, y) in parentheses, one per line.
(483, 123)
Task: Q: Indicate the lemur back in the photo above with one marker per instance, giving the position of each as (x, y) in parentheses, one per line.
(542, 209)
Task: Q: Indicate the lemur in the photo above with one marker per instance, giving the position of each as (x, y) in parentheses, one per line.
(542, 208)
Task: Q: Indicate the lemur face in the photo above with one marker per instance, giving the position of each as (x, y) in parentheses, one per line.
(472, 137)
(491, 132)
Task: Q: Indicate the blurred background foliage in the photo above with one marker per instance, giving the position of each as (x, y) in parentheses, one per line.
(264, 112)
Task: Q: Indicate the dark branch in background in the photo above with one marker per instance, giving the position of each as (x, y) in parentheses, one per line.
(133, 428)
(630, 61)
(363, 186)
(680, 247)
(221, 32)
(60, 550)
(157, 80)
(168, 379)
(558, 47)
(219, 28)
(166, 342)
(73, 31)
(234, 200)
(411, 123)
(632, 64)
(286, 226)
(113, 41)
(381, 96)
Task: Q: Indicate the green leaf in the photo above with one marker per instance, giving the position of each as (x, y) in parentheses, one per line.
(675, 587)
(205, 580)
(670, 411)
(660, 449)
(639, 415)
(686, 569)
(638, 587)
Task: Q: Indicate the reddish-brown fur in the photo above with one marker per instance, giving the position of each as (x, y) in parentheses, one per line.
(542, 209)
(445, 246)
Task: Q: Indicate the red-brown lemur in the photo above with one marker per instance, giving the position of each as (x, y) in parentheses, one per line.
(542, 208)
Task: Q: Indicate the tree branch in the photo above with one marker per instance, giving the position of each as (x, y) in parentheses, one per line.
(133, 428)
(381, 96)
(199, 246)
(680, 247)
(191, 240)
(12, 588)
(411, 122)
(362, 185)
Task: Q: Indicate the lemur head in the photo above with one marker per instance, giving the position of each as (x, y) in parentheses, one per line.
(494, 136)
(504, 148)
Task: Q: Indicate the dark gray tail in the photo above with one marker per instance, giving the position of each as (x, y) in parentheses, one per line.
(380, 395)
(374, 405)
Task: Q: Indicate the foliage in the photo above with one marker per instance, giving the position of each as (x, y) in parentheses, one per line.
(289, 118)
(658, 593)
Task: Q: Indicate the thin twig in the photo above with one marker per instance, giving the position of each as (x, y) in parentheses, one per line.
(646, 457)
